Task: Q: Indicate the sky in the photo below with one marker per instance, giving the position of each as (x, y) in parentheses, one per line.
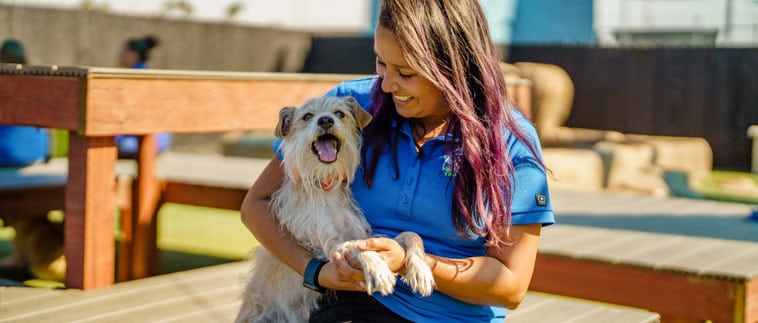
(297, 14)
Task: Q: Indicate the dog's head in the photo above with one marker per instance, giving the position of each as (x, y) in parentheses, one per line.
(322, 139)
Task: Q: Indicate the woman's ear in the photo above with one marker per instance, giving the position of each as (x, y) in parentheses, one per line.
(362, 117)
(285, 121)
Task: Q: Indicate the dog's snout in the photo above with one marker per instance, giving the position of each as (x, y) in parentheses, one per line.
(325, 122)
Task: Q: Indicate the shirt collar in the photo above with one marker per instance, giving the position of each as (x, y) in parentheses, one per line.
(405, 128)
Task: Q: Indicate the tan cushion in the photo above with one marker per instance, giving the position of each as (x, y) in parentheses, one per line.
(574, 169)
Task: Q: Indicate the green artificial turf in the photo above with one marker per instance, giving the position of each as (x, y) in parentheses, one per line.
(730, 186)
(203, 231)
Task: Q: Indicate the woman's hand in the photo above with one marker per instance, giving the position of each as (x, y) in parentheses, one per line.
(392, 252)
(344, 271)
(339, 274)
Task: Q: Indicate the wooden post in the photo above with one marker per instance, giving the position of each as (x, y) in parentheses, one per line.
(89, 212)
(145, 250)
(125, 201)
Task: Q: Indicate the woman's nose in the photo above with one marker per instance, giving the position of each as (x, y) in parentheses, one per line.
(388, 83)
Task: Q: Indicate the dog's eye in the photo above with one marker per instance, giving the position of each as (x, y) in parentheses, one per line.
(339, 114)
(308, 116)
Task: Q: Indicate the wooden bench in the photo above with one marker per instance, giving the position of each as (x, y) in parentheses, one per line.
(207, 180)
(211, 294)
(685, 279)
(37, 189)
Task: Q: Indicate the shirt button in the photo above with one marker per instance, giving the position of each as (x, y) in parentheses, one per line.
(410, 180)
(405, 199)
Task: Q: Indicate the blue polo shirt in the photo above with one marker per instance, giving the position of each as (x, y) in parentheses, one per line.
(420, 200)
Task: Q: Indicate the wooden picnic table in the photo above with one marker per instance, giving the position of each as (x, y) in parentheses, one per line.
(96, 104)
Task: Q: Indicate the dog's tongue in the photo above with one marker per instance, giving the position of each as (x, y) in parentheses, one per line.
(327, 150)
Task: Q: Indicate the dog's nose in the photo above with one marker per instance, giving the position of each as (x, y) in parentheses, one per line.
(325, 122)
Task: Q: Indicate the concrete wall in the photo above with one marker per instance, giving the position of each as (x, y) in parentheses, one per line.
(70, 37)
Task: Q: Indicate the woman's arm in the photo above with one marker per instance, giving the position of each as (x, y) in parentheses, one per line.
(500, 278)
(258, 219)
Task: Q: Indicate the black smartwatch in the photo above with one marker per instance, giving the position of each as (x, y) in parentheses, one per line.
(310, 277)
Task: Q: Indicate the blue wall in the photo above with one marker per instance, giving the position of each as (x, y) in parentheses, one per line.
(533, 21)
(553, 22)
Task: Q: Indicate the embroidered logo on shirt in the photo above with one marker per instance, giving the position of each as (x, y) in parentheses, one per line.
(541, 199)
(449, 168)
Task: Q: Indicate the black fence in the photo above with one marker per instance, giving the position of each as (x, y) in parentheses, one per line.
(702, 92)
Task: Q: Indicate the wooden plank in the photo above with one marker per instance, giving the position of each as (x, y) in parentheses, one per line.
(89, 212)
(670, 294)
(32, 201)
(144, 243)
(41, 101)
(216, 105)
(125, 201)
(75, 305)
(538, 307)
(171, 306)
(208, 170)
(217, 313)
(736, 263)
(8, 294)
(751, 301)
(208, 196)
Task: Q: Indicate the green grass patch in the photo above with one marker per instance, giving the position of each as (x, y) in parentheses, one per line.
(203, 231)
(731, 186)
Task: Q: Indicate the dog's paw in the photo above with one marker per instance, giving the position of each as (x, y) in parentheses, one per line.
(419, 276)
(379, 277)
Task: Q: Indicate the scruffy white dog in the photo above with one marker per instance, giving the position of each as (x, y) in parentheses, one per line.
(321, 149)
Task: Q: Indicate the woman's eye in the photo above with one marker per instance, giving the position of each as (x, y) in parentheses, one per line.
(405, 76)
(308, 116)
(339, 114)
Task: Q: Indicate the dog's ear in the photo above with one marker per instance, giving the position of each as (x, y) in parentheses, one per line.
(286, 115)
(362, 117)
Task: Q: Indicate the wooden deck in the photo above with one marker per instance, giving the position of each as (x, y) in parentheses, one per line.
(682, 278)
(208, 294)
(211, 294)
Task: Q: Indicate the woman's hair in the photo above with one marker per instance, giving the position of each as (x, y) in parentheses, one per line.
(142, 46)
(448, 43)
(12, 51)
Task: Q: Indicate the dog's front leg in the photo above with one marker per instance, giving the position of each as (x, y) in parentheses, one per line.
(417, 274)
(379, 277)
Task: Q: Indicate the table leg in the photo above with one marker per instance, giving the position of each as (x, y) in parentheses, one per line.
(145, 260)
(125, 202)
(89, 212)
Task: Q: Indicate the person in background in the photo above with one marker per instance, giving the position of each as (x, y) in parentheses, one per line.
(20, 146)
(136, 54)
(38, 242)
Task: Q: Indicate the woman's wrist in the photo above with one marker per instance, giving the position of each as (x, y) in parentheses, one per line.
(311, 275)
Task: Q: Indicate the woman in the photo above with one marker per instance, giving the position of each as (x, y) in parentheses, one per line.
(445, 158)
(19, 145)
(136, 54)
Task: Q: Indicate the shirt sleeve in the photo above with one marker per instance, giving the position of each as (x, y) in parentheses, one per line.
(277, 148)
(530, 202)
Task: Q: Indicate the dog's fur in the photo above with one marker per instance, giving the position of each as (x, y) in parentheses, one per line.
(316, 206)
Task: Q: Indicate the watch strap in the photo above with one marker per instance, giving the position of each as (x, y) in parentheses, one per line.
(310, 277)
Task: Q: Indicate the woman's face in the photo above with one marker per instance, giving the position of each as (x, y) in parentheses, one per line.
(127, 58)
(414, 95)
